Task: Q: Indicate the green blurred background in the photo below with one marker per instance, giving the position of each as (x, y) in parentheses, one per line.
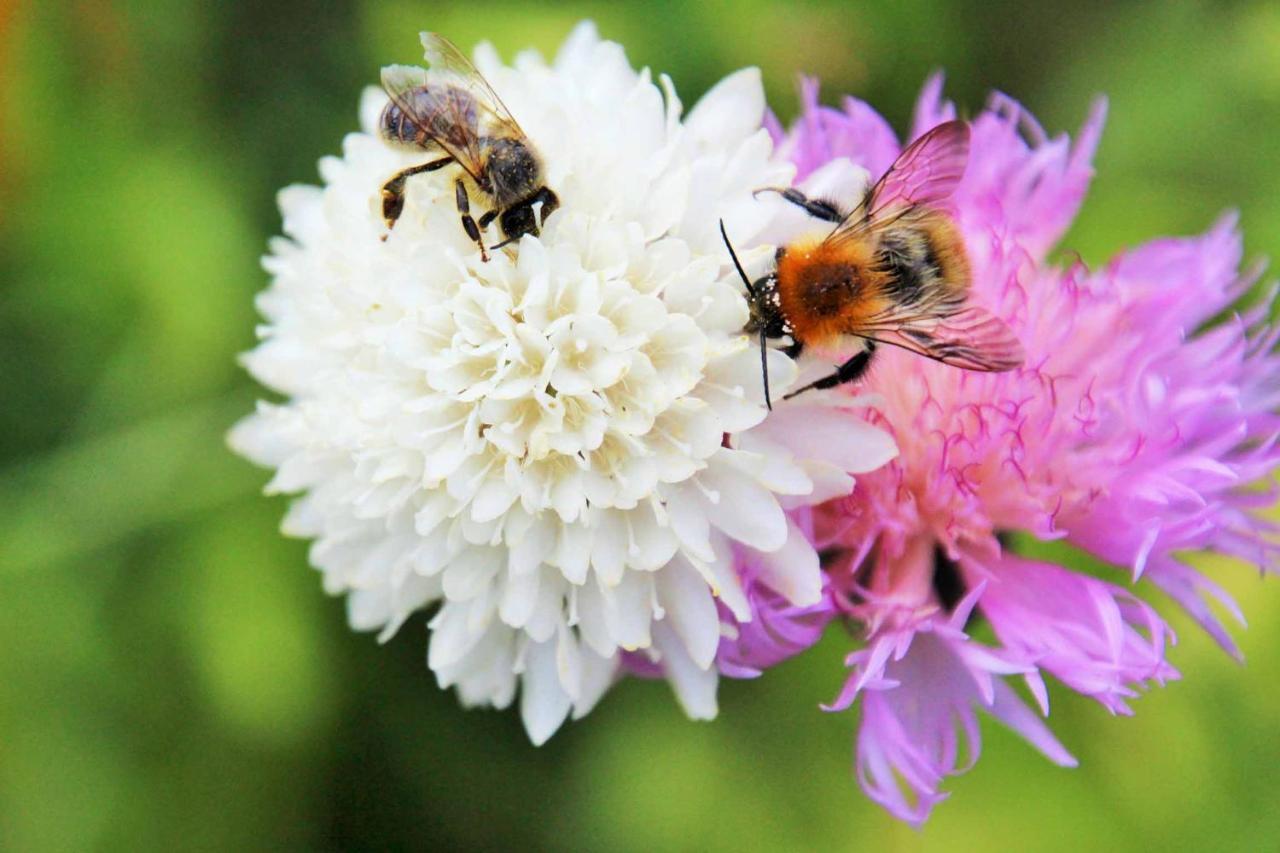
(172, 676)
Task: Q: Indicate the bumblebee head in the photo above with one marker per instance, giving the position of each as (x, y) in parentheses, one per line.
(765, 313)
(765, 317)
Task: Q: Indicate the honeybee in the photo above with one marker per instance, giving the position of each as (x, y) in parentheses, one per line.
(453, 111)
(893, 270)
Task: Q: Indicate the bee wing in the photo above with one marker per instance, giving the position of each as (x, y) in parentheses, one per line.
(452, 103)
(923, 176)
(448, 116)
(451, 67)
(968, 337)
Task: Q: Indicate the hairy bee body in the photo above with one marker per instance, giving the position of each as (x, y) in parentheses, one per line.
(893, 270)
(828, 291)
(453, 112)
(923, 257)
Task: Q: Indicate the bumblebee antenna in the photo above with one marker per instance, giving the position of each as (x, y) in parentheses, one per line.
(764, 370)
(751, 291)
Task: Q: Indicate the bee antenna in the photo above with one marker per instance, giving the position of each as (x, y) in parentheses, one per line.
(751, 291)
(764, 369)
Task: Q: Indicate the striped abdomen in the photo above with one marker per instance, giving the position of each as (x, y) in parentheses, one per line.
(430, 116)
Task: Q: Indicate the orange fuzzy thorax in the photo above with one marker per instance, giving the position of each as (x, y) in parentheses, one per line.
(830, 289)
(824, 289)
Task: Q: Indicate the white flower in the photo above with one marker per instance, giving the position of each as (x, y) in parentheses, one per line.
(537, 443)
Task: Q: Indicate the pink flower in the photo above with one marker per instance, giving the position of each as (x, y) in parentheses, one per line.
(920, 721)
(1198, 416)
(1097, 638)
(1136, 429)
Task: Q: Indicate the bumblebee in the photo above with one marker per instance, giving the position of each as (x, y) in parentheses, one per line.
(451, 110)
(893, 270)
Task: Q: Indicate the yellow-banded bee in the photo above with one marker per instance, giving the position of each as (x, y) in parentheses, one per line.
(451, 110)
(892, 270)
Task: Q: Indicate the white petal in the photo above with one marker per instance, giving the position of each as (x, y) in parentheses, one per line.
(451, 636)
(573, 553)
(533, 547)
(724, 580)
(598, 674)
(260, 438)
(828, 482)
(368, 610)
(493, 499)
(691, 611)
(568, 663)
(577, 49)
(609, 548)
(435, 508)
(548, 610)
(627, 610)
(836, 436)
(778, 471)
(731, 110)
(543, 702)
(471, 572)
(741, 507)
(694, 686)
(519, 597)
(689, 523)
(590, 607)
(793, 570)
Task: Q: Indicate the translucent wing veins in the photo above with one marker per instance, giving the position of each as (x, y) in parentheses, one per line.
(923, 176)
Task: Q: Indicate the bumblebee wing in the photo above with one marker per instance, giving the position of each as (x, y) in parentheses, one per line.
(969, 337)
(448, 65)
(447, 115)
(923, 176)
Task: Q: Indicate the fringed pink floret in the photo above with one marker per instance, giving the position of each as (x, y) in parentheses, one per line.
(1095, 637)
(919, 713)
(1141, 426)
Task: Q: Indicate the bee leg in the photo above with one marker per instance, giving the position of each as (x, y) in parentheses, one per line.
(393, 190)
(468, 224)
(822, 209)
(487, 218)
(850, 371)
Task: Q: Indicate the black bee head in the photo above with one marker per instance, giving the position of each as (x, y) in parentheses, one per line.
(520, 219)
(765, 312)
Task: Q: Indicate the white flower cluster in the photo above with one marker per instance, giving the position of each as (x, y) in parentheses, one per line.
(538, 443)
